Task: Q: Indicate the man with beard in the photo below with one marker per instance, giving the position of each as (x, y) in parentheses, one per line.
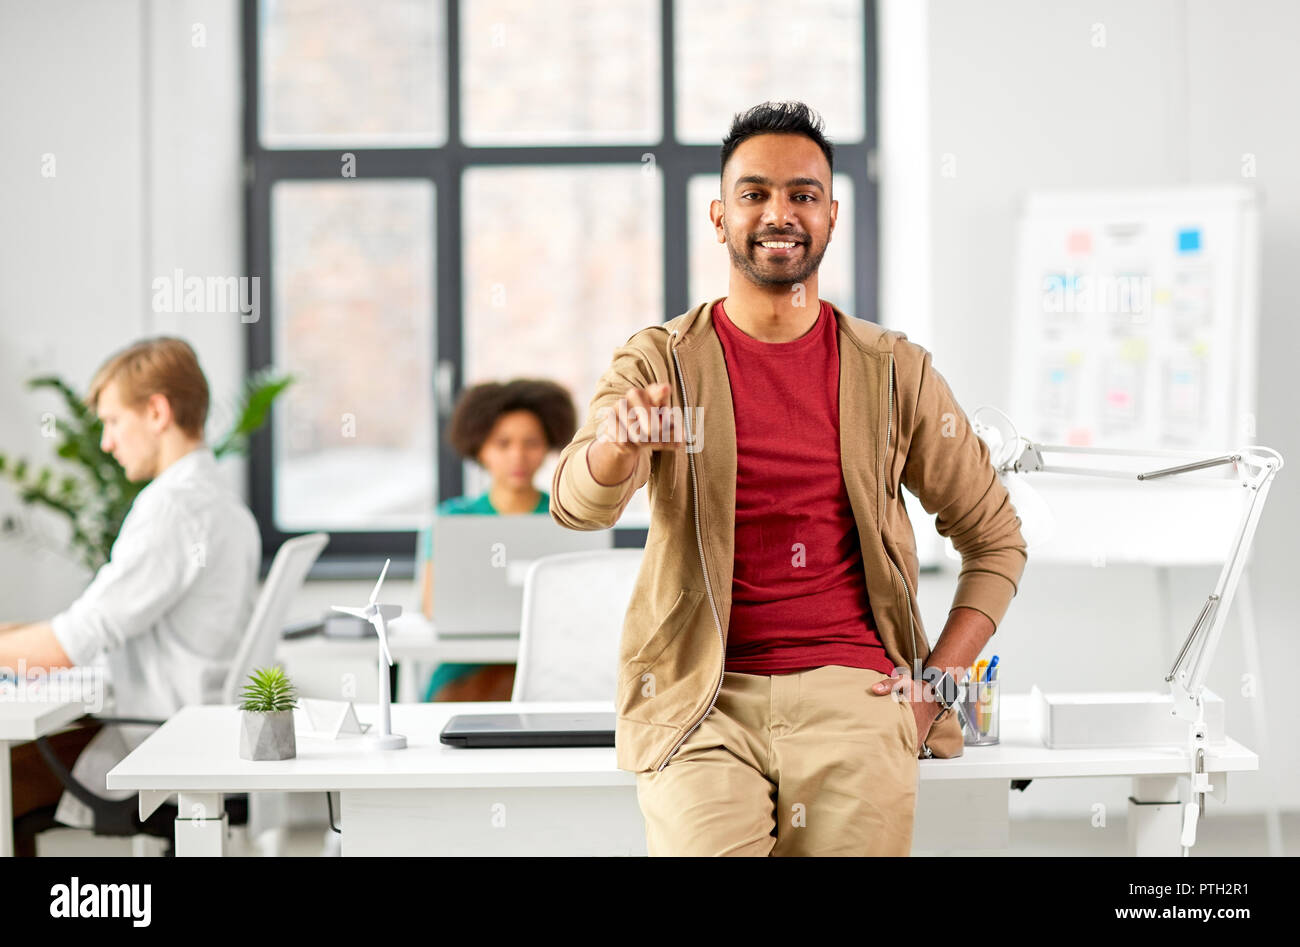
(774, 616)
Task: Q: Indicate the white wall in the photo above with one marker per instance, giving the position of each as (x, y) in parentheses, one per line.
(143, 127)
(1021, 99)
(71, 253)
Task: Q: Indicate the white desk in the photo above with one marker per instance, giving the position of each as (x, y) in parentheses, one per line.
(430, 799)
(20, 722)
(413, 641)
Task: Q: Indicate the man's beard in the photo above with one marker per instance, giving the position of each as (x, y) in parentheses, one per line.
(777, 275)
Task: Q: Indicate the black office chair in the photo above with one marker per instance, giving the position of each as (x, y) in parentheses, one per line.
(120, 818)
(117, 818)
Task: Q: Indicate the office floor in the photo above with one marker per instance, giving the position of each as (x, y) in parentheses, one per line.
(1217, 836)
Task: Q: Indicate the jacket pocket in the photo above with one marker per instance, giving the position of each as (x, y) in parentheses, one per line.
(678, 617)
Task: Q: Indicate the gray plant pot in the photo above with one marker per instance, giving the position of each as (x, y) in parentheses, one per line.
(267, 736)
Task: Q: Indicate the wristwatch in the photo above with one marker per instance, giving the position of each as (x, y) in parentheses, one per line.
(945, 689)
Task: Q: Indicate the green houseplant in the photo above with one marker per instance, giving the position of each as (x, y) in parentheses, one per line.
(94, 494)
(266, 716)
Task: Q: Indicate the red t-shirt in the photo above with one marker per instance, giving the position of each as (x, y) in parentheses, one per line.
(799, 593)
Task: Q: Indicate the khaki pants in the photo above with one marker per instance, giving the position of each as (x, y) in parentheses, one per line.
(791, 764)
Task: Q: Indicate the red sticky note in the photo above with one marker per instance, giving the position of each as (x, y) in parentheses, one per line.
(1079, 241)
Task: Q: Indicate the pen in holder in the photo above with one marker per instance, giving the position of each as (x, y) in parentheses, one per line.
(981, 711)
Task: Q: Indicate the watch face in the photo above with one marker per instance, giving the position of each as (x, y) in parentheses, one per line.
(948, 689)
(945, 686)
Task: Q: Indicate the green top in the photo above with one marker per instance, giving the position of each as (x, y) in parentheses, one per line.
(482, 504)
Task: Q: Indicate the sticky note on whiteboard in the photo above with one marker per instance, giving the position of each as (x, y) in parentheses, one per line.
(1078, 241)
(1189, 240)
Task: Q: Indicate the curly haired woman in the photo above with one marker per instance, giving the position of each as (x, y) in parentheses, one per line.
(508, 429)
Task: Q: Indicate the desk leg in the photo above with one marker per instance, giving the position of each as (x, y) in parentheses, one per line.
(1155, 817)
(201, 825)
(6, 804)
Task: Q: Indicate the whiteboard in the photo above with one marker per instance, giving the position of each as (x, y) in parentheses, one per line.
(1136, 318)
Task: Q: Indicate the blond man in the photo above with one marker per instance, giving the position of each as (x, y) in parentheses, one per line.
(165, 614)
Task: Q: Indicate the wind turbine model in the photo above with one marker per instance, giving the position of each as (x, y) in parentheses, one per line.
(378, 615)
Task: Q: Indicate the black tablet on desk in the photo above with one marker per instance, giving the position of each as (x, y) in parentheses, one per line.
(529, 729)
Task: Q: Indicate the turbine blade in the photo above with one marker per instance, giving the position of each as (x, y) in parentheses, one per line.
(375, 594)
(358, 612)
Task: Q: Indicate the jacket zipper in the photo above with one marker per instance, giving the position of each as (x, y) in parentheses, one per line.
(699, 541)
(916, 663)
(889, 430)
(889, 424)
(911, 622)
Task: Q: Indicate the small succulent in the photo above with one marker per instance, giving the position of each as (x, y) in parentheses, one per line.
(268, 690)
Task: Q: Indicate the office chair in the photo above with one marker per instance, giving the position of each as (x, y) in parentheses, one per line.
(120, 818)
(573, 610)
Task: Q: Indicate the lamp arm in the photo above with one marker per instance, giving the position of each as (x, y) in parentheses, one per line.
(1185, 468)
(1030, 460)
(1186, 677)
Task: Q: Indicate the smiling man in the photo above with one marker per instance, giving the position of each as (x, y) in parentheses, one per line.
(775, 684)
(165, 614)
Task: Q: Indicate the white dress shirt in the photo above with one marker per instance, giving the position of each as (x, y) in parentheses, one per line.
(166, 613)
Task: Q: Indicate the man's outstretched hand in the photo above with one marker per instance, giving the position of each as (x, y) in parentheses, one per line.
(639, 422)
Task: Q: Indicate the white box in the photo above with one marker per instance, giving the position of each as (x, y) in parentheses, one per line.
(1122, 718)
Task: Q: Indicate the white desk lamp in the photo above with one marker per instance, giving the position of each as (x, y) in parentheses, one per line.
(379, 616)
(1012, 454)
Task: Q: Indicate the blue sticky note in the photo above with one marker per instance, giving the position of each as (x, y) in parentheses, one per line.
(1189, 240)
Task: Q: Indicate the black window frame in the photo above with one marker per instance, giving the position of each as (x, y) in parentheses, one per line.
(357, 554)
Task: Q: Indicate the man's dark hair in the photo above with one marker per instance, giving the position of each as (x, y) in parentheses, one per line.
(479, 407)
(791, 118)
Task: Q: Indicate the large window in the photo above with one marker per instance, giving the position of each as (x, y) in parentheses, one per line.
(443, 192)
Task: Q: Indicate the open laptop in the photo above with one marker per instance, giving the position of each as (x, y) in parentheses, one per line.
(529, 729)
(479, 564)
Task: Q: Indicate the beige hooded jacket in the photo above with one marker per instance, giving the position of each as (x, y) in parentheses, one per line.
(899, 424)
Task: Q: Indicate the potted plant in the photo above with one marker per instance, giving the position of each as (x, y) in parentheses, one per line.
(266, 724)
(94, 495)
